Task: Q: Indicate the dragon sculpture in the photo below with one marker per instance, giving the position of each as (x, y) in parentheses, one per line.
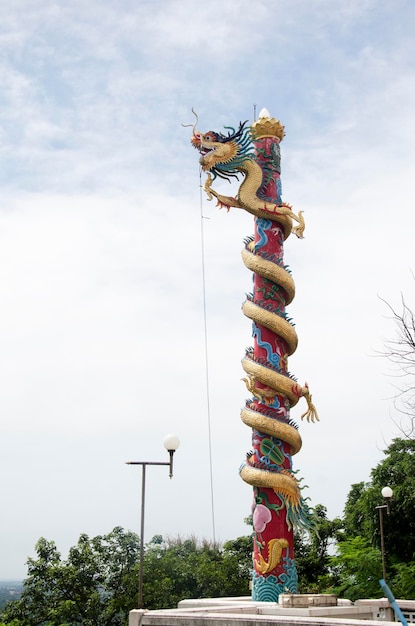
(278, 505)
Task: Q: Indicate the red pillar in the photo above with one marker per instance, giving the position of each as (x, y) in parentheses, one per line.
(277, 500)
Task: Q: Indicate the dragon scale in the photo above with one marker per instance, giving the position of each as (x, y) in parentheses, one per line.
(278, 506)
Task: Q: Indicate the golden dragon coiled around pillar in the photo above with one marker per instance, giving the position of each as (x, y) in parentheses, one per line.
(275, 382)
(227, 156)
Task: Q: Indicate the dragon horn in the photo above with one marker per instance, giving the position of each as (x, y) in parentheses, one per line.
(192, 125)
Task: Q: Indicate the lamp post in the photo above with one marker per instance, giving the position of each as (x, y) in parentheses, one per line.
(387, 493)
(171, 443)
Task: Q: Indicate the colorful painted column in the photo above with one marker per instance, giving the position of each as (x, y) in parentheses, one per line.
(278, 506)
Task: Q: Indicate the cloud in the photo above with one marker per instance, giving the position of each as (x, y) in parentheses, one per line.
(102, 289)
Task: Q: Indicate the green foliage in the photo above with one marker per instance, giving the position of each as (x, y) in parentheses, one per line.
(397, 471)
(98, 583)
(358, 561)
(358, 569)
(356, 520)
(312, 552)
(95, 586)
(361, 517)
(185, 568)
(404, 580)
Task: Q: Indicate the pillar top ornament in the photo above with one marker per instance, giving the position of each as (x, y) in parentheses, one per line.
(267, 126)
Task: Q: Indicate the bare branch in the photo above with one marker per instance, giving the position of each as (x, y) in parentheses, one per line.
(400, 351)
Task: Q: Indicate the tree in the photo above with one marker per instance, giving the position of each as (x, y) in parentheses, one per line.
(358, 566)
(95, 586)
(312, 552)
(401, 353)
(358, 559)
(397, 471)
(175, 569)
(361, 516)
(98, 582)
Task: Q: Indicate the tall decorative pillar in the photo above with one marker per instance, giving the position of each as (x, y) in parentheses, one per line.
(278, 506)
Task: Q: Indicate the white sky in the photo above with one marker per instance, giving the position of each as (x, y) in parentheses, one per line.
(101, 297)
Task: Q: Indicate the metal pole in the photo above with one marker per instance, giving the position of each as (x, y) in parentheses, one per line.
(143, 500)
(382, 539)
(141, 570)
(171, 452)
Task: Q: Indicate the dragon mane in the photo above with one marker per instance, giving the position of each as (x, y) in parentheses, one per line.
(245, 150)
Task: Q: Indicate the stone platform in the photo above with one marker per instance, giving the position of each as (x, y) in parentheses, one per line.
(306, 610)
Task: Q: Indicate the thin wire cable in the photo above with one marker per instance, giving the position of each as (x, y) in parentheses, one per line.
(202, 237)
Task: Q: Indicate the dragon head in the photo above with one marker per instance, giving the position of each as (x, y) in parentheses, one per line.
(223, 155)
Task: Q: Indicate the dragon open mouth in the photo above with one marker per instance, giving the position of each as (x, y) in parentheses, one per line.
(204, 151)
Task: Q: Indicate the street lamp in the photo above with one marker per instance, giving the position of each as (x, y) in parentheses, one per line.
(387, 493)
(171, 443)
